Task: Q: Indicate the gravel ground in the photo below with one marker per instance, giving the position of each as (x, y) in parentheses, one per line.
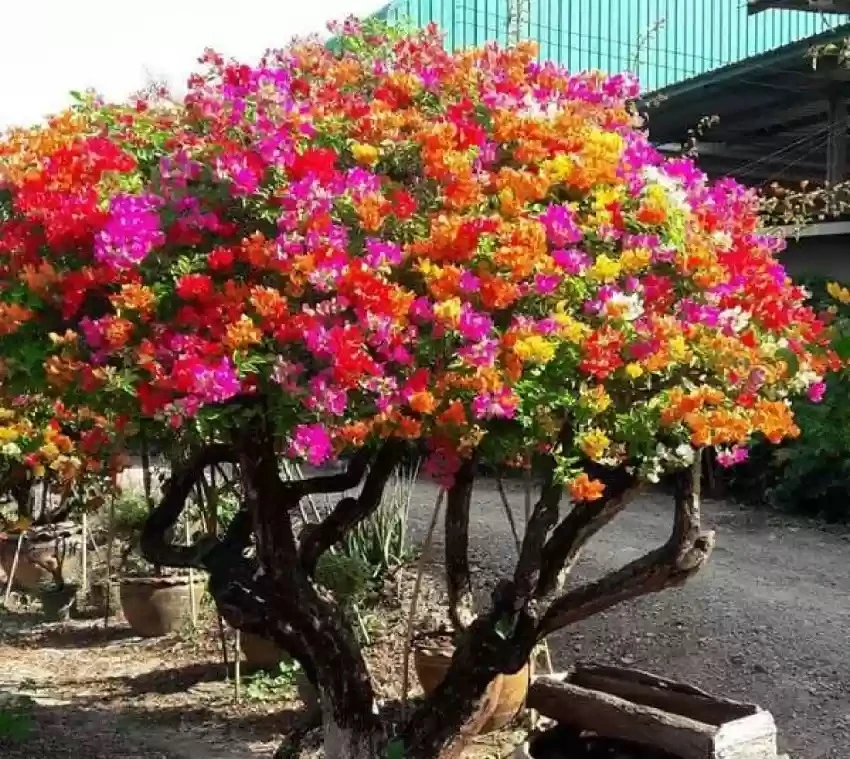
(767, 621)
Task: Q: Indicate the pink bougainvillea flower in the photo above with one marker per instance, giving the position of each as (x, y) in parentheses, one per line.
(573, 261)
(816, 391)
(730, 458)
(132, 232)
(312, 443)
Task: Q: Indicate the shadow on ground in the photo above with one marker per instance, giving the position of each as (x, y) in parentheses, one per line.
(62, 636)
(95, 731)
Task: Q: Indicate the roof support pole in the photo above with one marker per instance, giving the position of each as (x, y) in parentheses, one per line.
(836, 149)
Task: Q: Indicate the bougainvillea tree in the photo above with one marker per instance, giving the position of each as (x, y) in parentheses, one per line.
(345, 251)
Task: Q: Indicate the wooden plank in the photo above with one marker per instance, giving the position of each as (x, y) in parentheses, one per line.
(661, 695)
(614, 717)
(750, 738)
(640, 676)
(640, 707)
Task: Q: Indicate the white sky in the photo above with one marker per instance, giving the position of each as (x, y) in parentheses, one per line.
(49, 47)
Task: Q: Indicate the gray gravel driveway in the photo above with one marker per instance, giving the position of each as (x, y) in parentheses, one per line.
(768, 620)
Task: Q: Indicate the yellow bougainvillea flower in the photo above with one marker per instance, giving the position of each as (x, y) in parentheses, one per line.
(841, 294)
(535, 349)
(365, 155)
(594, 443)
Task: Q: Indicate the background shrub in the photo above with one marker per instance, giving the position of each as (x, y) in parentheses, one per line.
(809, 475)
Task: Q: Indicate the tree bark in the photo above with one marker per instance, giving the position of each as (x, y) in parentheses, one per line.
(272, 593)
(349, 512)
(544, 517)
(454, 713)
(155, 547)
(458, 578)
(564, 547)
(296, 609)
(682, 556)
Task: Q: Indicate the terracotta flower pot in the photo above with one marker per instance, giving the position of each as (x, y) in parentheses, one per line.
(40, 558)
(261, 653)
(507, 693)
(155, 606)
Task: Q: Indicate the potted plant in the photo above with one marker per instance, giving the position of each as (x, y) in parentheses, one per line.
(432, 657)
(153, 603)
(155, 606)
(38, 564)
(45, 553)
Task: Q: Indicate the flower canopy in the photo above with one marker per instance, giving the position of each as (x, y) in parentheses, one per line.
(473, 250)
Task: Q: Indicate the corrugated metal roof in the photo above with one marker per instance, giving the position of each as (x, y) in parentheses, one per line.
(663, 41)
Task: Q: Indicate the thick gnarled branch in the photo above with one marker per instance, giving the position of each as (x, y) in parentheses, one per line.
(154, 545)
(294, 608)
(543, 518)
(321, 484)
(682, 556)
(564, 547)
(349, 512)
(458, 578)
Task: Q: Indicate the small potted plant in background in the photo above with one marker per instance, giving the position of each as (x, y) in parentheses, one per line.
(40, 550)
(43, 560)
(153, 603)
(52, 460)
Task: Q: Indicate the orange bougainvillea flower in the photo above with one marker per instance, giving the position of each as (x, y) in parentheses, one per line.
(408, 429)
(12, 316)
(454, 415)
(423, 402)
(372, 210)
(242, 334)
(582, 488)
(134, 297)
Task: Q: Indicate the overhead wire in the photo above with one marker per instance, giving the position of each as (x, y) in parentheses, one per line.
(746, 168)
(820, 144)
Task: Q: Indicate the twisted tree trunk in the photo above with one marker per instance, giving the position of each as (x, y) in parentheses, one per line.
(272, 594)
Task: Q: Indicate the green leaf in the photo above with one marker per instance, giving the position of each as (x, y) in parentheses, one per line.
(395, 749)
(842, 346)
(790, 358)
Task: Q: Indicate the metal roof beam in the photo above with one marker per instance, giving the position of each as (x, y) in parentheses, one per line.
(718, 151)
(669, 120)
(765, 119)
(815, 6)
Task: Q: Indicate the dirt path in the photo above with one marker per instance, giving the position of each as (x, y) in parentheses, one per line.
(107, 695)
(768, 621)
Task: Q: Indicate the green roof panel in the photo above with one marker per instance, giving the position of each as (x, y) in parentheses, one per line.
(664, 41)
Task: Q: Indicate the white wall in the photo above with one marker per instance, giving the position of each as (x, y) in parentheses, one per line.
(49, 47)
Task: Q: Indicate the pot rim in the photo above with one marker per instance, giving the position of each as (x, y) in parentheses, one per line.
(162, 582)
(44, 533)
(434, 641)
(69, 588)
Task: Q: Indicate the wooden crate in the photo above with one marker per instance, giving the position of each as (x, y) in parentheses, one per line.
(632, 705)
